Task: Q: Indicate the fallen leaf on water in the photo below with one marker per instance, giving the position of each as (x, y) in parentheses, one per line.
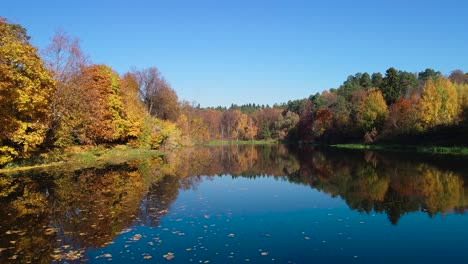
(169, 256)
(50, 231)
(105, 256)
(124, 231)
(136, 237)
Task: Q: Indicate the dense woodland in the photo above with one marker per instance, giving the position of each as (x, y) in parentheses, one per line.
(57, 98)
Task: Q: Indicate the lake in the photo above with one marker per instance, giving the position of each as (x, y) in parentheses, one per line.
(240, 204)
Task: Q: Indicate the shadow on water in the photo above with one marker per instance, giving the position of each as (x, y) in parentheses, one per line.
(48, 216)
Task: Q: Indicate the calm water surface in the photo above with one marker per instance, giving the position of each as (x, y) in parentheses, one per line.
(236, 204)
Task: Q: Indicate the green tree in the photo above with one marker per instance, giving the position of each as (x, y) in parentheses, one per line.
(366, 81)
(408, 82)
(265, 132)
(391, 88)
(377, 79)
(428, 74)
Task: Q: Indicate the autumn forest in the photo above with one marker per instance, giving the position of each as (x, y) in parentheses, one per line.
(56, 98)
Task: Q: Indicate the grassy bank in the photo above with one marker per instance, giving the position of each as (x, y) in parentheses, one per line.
(79, 158)
(409, 148)
(241, 142)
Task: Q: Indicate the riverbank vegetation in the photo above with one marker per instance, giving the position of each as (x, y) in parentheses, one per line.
(408, 148)
(56, 98)
(78, 157)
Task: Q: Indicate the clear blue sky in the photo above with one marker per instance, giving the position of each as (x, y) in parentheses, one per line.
(239, 51)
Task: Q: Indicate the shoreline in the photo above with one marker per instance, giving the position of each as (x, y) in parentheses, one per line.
(443, 150)
(81, 158)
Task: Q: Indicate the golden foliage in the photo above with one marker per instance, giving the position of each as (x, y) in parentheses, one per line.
(25, 90)
(157, 133)
(439, 103)
(372, 110)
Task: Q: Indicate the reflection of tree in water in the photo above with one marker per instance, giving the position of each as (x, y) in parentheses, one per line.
(59, 214)
(365, 180)
(23, 213)
(92, 206)
(157, 201)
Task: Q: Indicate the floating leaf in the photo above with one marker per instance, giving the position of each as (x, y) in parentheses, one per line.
(169, 256)
(136, 237)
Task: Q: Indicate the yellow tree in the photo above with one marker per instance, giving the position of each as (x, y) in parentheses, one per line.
(372, 110)
(25, 90)
(134, 109)
(439, 102)
(250, 129)
(462, 90)
(449, 100)
(429, 104)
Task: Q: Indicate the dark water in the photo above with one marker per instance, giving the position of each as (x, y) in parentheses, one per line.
(259, 204)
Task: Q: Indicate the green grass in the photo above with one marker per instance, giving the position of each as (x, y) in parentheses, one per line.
(241, 142)
(410, 148)
(79, 158)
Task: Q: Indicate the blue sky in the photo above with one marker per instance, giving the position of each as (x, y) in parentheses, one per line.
(238, 51)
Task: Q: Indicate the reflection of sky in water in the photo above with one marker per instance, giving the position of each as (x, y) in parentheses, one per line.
(264, 220)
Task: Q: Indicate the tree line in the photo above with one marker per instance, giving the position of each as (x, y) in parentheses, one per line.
(56, 98)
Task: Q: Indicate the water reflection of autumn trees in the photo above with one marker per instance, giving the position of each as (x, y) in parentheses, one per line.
(365, 180)
(57, 215)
